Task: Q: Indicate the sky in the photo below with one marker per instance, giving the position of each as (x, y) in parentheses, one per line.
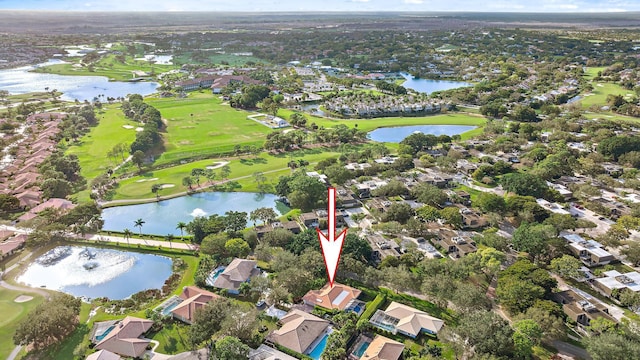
(327, 5)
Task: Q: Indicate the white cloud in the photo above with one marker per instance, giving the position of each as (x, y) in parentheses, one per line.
(360, 1)
(413, 2)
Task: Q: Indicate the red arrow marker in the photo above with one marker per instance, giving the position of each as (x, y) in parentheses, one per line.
(331, 246)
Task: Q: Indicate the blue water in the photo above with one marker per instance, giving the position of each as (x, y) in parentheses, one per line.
(167, 310)
(21, 81)
(319, 349)
(162, 217)
(118, 274)
(357, 309)
(428, 86)
(216, 273)
(105, 333)
(397, 134)
(363, 347)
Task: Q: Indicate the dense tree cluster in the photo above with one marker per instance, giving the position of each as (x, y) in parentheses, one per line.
(60, 175)
(49, 323)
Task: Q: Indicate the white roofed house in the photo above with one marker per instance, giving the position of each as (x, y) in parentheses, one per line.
(613, 279)
(590, 252)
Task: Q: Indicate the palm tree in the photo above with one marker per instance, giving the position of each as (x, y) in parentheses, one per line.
(155, 188)
(181, 226)
(169, 237)
(127, 235)
(138, 223)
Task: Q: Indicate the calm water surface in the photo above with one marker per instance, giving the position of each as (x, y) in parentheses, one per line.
(106, 272)
(162, 217)
(21, 81)
(397, 134)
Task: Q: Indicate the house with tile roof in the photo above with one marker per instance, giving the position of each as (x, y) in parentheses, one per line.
(299, 331)
(336, 297)
(238, 272)
(264, 352)
(403, 319)
(383, 348)
(123, 337)
(103, 355)
(55, 203)
(193, 298)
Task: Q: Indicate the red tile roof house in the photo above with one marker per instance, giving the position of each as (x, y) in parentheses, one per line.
(103, 355)
(55, 203)
(29, 198)
(238, 271)
(124, 338)
(9, 246)
(193, 299)
(337, 297)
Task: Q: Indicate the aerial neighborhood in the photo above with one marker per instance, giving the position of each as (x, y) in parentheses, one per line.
(164, 190)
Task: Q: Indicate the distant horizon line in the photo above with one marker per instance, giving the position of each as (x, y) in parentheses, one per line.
(573, 11)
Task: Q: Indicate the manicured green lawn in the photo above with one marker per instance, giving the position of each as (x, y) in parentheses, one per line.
(201, 125)
(92, 148)
(12, 314)
(133, 189)
(372, 124)
(172, 338)
(600, 92)
(109, 67)
(593, 72)
(611, 116)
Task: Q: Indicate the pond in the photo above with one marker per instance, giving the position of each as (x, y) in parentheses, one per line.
(397, 134)
(21, 81)
(95, 272)
(162, 217)
(428, 86)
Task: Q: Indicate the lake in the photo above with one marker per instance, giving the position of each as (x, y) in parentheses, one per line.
(21, 81)
(95, 272)
(162, 217)
(428, 86)
(397, 134)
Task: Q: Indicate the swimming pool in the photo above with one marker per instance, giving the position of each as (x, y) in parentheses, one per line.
(214, 275)
(361, 349)
(105, 333)
(317, 351)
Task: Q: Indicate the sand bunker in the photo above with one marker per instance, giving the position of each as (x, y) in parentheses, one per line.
(144, 180)
(127, 126)
(23, 298)
(139, 129)
(166, 186)
(217, 165)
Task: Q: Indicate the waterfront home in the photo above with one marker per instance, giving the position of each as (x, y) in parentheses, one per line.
(262, 230)
(122, 337)
(336, 297)
(299, 331)
(193, 298)
(403, 319)
(236, 273)
(10, 245)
